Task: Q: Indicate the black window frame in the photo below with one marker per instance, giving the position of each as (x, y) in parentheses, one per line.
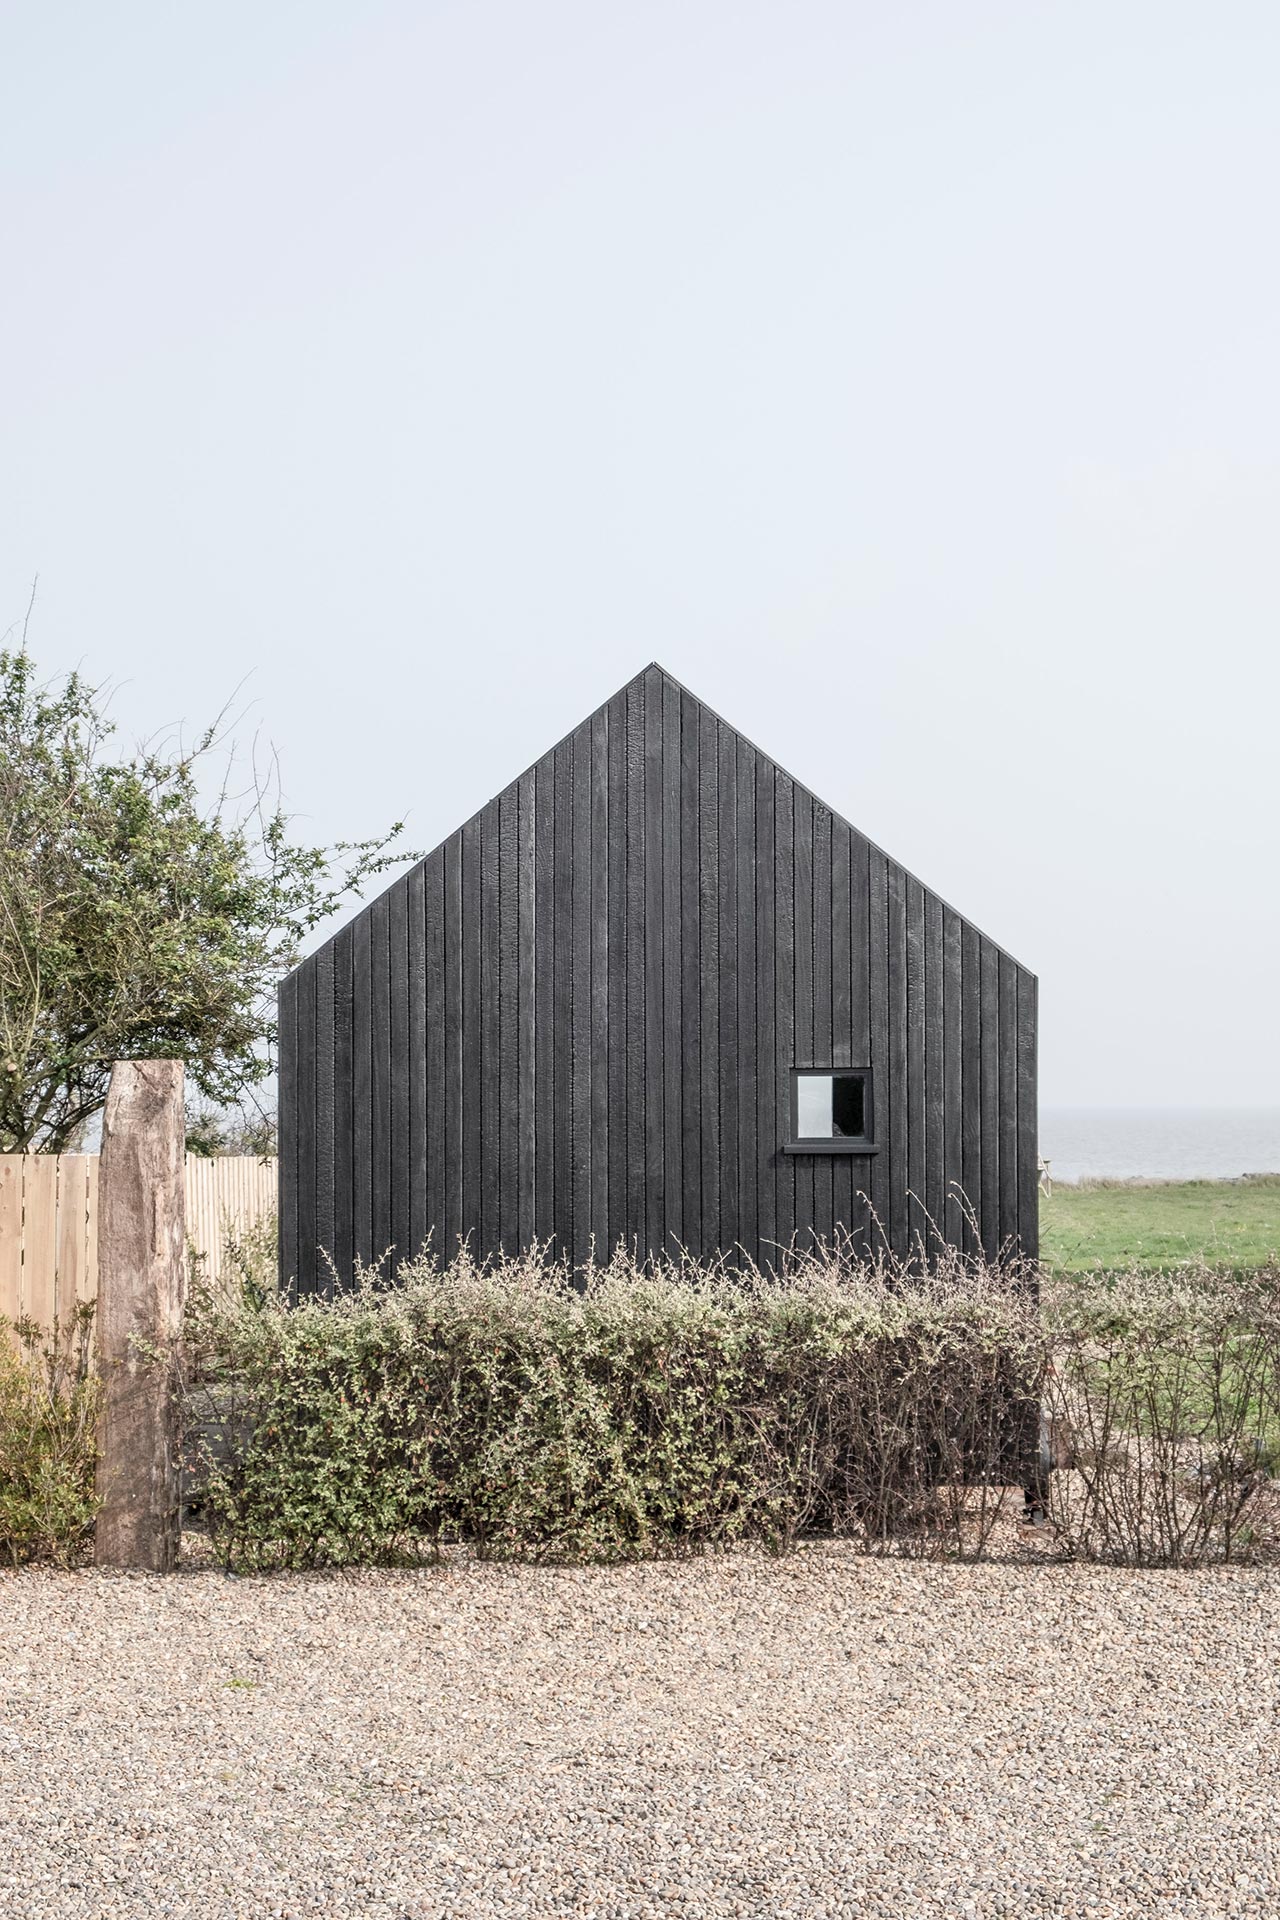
(863, 1143)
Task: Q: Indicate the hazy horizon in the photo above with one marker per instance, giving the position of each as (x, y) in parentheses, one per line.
(903, 380)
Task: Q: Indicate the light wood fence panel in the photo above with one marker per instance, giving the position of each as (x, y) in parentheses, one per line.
(228, 1194)
(49, 1225)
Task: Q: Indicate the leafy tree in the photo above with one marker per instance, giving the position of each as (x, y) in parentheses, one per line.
(137, 918)
(252, 1133)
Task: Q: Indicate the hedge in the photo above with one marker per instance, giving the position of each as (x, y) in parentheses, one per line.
(524, 1413)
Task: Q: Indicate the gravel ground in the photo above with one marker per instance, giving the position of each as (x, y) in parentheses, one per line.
(817, 1735)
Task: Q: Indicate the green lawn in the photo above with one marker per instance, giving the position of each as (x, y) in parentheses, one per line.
(1232, 1223)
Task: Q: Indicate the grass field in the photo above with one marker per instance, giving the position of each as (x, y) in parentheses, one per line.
(1161, 1223)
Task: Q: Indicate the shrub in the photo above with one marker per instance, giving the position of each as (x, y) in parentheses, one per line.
(1164, 1397)
(640, 1412)
(48, 1412)
(249, 1268)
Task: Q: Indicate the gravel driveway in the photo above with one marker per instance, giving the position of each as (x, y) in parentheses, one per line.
(817, 1735)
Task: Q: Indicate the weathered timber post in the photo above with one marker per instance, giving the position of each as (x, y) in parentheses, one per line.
(142, 1263)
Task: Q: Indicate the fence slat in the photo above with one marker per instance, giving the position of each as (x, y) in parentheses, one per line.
(11, 1168)
(40, 1237)
(72, 1247)
(88, 1285)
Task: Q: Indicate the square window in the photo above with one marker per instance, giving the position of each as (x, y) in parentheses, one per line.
(830, 1110)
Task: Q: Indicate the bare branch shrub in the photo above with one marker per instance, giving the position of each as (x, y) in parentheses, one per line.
(1164, 1394)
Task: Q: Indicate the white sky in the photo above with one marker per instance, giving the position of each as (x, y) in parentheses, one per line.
(904, 378)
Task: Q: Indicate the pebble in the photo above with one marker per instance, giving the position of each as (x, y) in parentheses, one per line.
(817, 1735)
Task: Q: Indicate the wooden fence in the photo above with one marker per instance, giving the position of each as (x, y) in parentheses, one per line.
(49, 1224)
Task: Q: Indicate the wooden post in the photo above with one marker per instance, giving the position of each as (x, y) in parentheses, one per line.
(141, 1286)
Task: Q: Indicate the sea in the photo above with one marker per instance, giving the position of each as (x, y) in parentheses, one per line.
(1159, 1143)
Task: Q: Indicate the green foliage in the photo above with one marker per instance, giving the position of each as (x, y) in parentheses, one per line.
(48, 1412)
(1161, 1223)
(138, 920)
(645, 1413)
(250, 1270)
(253, 1135)
(250, 1255)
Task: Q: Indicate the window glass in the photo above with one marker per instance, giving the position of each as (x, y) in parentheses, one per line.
(847, 1106)
(814, 1119)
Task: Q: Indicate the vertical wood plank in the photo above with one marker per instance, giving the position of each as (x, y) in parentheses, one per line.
(880, 1212)
(990, 964)
(784, 990)
(859, 936)
(362, 1087)
(636, 1143)
(420, 1214)
(287, 1159)
(727, 779)
(192, 1171)
(917, 1221)
(953, 1076)
(454, 1127)
(768, 1140)
(845, 1170)
(934, 1073)
(616, 1023)
(344, 1146)
(841, 949)
(598, 1026)
(562, 1014)
(1008, 1097)
(747, 1231)
(971, 1078)
(489, 1011)
(197, 1177)
(544, 897)
(508, 1185)
(654, 1035)
(806, 1215)
(472, 1022)
(11, 1168)
(308, 1253)
(1028, 1128)
(325, 1119)
(823, 1176)
(90, 1288)
(435, 1040)
(673, 1063)
(39, 1238)
(73, 1211)
(899, 1173)
(581, 1107)
(379, 1079)
(398, 1132)
(690, 976)
(709, 976)
(527, 988)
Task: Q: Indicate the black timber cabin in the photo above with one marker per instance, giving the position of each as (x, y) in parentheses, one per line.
(655, 992)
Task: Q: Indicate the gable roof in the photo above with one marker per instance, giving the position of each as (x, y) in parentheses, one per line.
(637, 681)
